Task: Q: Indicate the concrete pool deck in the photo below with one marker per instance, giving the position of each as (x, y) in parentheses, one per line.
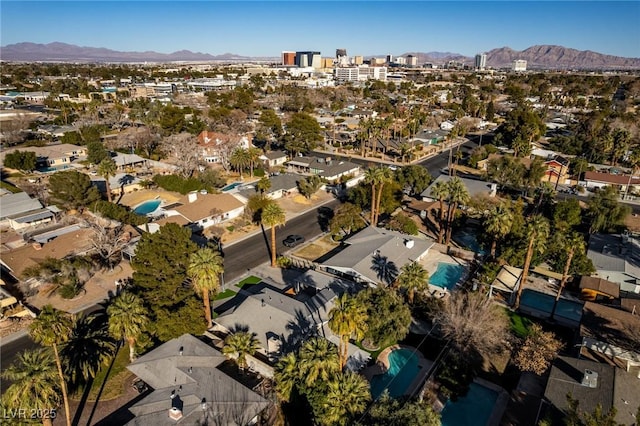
(382, 366)
(430, 263)
(136, 198)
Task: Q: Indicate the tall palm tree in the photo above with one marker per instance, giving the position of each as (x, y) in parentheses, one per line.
(286, 376)
(239, 345)
(35, 382)
(347, 396)
(89, 347)
(537, 231)
(205, 268)
(107, 169)
(239, 160)
(127, 319)
(253, 155)
(440, 191)
(371, 178)
(572, 243)
(458, 196)
(498, 223)
(272, 216)
(347, 319)
(52, 328)
(413, 277)
(385, 175)
(318, 360)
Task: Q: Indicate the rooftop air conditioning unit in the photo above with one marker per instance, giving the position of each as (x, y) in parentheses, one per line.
(590, 379)
(409, 243)
(175, 413)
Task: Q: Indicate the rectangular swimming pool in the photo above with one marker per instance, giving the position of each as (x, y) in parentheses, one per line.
(473, 409)
(447, 275)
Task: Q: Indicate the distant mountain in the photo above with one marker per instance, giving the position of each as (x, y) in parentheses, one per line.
(537, 57)
(62, 52)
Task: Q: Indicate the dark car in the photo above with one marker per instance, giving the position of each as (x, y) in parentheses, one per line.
(293, 240)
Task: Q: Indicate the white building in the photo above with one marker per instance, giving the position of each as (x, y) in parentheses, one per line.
(362, 73)
(519, 65)
(481, 61)
(412, 61)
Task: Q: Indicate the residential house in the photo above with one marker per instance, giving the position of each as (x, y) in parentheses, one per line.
(19, 211)
(475, 187)
(447, 125)
(621, 182)
(617, 259)
(121, 183)
(591, 384)
(557, 170)
(375, 256)
(282, 320)
(127, 161)
(216, 147)
(189, 387)
(203, 210)
(328, 168)
(282, 185)
(54, 130)
(273, 159)
(598, 289)
(59, 156)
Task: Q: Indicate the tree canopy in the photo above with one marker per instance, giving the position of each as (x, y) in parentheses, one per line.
(72, 190)
(21, 160)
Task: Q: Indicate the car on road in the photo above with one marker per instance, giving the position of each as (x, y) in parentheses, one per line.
(293, 240)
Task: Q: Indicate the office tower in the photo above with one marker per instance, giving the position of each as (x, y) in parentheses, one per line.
(288, 58)
(401, 61)
(358, 60)
(389, 59)
(341, 57)
(519, 65)
(412, 61)
(308, 59)
(481, 61)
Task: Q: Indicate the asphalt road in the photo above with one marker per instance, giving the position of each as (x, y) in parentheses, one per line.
(238, 259)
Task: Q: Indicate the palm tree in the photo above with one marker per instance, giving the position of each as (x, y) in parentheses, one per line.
(205, 268)
(272, 216)
(52, 328)
(413, 277)
(35, 382)
(371, 178)
(253, 155)
(107, 169)
(318, 360)
(239, 345)
(286, 376)
(458, 196)
(127, 319)
(573, 243)
(264, 184)
(89, 347)
(440, 191)
(537, 232)
(497, 223)
(385, 175)
(240, 160)
(347, 396)
(347, 319)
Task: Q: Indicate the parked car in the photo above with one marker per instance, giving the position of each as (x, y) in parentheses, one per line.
(293, 240)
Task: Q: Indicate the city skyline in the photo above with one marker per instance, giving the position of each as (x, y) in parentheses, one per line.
(364, 28)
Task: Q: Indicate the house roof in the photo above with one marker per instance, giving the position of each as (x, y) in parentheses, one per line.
(32, 216)
(611, 326)
(475, 187)
(615, 253)
(18, 203)
(600, 285)
(507, 279)
(281, 182)
(205, 204)
(610, 178)
(122, 160)
(274, 155)
(186, 368)
(566, 377)
(373, 249)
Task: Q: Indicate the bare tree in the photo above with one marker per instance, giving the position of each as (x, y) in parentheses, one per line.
(12, 131)
(185, 153)
(473, 323)
(225, 148)
(108, 241)
(537, 351)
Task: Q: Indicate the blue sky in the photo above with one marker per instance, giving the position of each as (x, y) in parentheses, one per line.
(363, 28)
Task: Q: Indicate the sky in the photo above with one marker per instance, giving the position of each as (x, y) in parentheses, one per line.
(365, 28)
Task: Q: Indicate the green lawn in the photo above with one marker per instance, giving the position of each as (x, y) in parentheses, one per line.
(9, 187)
(115, 381)
(249, 281)
(225, 294)
(519, 325)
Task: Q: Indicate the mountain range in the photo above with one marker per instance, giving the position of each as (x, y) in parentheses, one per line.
(537, 57)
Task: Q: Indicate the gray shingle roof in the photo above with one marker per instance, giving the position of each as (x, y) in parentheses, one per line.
(615, 253)
(13, 204)
(475, 187)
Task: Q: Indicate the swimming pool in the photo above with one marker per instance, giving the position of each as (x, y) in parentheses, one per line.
(54, 169)
(447, 275)
(543, 303)
(231, 186)
(403, 368)
(147, 207)
(468, 240)
(473, 409)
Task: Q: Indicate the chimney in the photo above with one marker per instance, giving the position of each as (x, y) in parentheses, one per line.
(590, 379)
(180, 350)
(193, 196)
(409, 244)
(175, 413)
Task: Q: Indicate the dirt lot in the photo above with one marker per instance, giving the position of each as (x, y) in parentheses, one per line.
(317, 248)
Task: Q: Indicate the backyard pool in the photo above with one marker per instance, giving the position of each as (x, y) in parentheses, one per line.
(543, 304)
(53, 169)
(147, 207)
(231, 186)
(467, 239)
(403, 368)
(447, 275)
(473, 409)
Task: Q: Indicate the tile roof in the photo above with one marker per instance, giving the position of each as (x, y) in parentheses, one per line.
(205, 204)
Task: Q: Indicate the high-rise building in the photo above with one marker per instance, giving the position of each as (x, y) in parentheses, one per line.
(341, 57)
(288, 58)
(481, 61)
(358, 60)
(327, 63)
(401, 60)
(412, 61)
(519, 65)
(361, 73)
(389, 59)
(308, 59)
